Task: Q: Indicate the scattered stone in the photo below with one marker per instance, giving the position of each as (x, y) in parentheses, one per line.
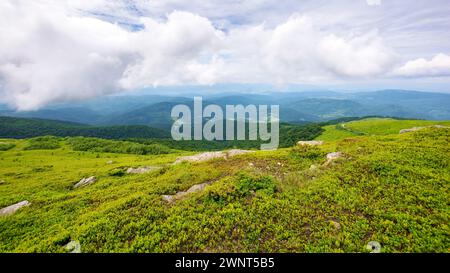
(142, 170)
(180, 195)
(85, 182)
(337, 225)
(414, 129)
(110, 162)
(333, 156)
(73, 247)
(310, 143)
(2, 182)
(279, 164)
(313, 167)
(168, 198)
(374, 247)
(404, 131)
(211, 155)
(251, 164)
(13, 208)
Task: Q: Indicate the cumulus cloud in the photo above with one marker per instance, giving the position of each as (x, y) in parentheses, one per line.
(438, 66)
(59, 52)
(52, 55)
(46, 55)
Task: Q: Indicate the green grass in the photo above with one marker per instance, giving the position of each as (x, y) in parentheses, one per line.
(331, 133)
(379, 126)
(373, 126)
(392, 189)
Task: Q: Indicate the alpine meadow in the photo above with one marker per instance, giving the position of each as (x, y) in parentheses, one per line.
(223, 137)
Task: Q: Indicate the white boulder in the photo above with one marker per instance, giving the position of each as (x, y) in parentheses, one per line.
(13, 208)
(85, 182)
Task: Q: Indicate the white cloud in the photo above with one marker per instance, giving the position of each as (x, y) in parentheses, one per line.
(53, 51)
(53, 55)
(47, 56)
(373, 2)
(438, 66)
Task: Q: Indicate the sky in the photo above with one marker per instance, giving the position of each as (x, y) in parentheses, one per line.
(69, 50)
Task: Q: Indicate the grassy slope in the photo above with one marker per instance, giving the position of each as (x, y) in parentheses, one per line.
(373, 126)
(393, 189)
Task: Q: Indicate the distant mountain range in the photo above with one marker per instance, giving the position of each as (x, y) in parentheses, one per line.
(295, 107)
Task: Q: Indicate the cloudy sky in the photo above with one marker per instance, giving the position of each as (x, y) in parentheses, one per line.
(64, 50)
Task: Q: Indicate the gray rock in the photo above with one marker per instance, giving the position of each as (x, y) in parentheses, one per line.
(336, 225)
(73, 247)
(310, 143)
(182, 194)
(332, 157)
(211, 155)
(374, 247)
(236, 152)
(85, 181)
(13, 208)
(142, 170)
(414, 129)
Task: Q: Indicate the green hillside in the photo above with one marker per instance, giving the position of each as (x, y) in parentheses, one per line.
(28, 128)
(373, 126)
(393, 189)
(32, 127)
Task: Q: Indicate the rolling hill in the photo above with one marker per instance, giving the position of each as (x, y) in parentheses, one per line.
(25, 128)
(382, 186)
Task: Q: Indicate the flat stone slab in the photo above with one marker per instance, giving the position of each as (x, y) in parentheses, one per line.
(211, 155)
(333, 156)
(85, 181)
(13, 208)
(180, 195)
(310, 143)
(142, 170)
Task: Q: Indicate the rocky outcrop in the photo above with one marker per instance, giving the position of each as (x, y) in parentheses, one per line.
(142, 170)
(333, 156)
(180, 195)
(211, 155)
(85, 181)
(13, 208)
(310, 143)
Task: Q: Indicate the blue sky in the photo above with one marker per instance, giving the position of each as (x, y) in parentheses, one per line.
(59, 51)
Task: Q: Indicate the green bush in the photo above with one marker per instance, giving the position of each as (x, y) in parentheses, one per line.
(117, 172)
(111, 146)
(6, 146)
(43, 143)
(247, 185)
(306, 152)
